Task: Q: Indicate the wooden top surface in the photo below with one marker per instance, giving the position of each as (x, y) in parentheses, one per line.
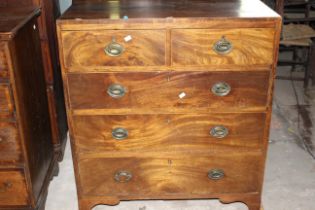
(140, 9)
(11, 20)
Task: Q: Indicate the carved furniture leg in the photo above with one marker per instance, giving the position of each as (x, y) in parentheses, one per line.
(89, 203)
(253, 201)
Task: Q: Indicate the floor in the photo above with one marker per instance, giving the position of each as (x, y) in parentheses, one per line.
(290, 173)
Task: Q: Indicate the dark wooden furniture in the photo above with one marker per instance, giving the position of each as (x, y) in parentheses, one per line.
(47, 29)
(27, 158)
(169, 99)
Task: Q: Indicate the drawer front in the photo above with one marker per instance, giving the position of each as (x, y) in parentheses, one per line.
(3, 62)
(10, 148)
(169, 90)
(222, 47)
(168, 132)
(13, 191)
(5, 99)
(88, 49)
(180, 175)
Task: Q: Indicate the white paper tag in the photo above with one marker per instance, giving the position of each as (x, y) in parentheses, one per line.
(182, 95)
(128, 38)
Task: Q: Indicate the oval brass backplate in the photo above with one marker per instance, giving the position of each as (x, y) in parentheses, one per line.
(120, 133)
(221, 89)
(223, 46)
(219, 131)
(216, 174)
(123, 176)
(116, 91)
(114, 49)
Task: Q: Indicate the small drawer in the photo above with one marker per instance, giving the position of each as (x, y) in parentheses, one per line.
(170, 91)
(139, 133)
(10, 148)
(182, 175)
(114, 48)
(6, 105)
(3, 62)
(13, 190)
(222, 47)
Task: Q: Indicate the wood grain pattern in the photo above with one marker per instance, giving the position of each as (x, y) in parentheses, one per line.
(5, 99)
(180, 174)
(86, 48)
(10, 146)
(9, 26)
(48, 37)
(3, 62)
(47, 30)
(93, 134)
(250, 46)
(169, 108)
(28, 159)
(252, 200)
(13, 189)
(161, 90)
(31, 106)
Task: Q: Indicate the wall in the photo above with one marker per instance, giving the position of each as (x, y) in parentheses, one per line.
(64, 4)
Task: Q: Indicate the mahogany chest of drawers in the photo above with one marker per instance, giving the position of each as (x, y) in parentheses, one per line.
(27, 160)
(169, 99)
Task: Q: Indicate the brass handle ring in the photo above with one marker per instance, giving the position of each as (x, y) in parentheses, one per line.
(216, 174)
(120, 133)
(123, 176)
(223, 46)
(221, 89)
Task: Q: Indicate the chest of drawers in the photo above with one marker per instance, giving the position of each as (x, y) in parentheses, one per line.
(48, 41)
(27, 160)
(169, 99)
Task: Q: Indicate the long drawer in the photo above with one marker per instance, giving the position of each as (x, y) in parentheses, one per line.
(3, 62)
(10, 148)
(222, 47)
(114, 48)
(120, 133)
(181, 175)
(13, 190)
(216, 91)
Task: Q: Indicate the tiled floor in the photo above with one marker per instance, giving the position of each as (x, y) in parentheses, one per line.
(290, 173)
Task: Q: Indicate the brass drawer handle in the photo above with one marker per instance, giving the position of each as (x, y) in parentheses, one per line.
(116, 91)
(219, 131)
(5, 186)
(123, 176)
(223, 46)
(221, 89)
(114, 49)
(120, 133)
(216, 174)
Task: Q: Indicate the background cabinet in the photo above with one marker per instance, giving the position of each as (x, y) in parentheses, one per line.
(27, 160)
(47, 29)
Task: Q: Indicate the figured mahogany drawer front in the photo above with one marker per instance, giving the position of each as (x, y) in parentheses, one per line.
(167, 132)
(114, 48)
(10, 148)
(13, 190)
(179, 175)
(5, 98)
(3, 62)
(201, 90)
(222, 47)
